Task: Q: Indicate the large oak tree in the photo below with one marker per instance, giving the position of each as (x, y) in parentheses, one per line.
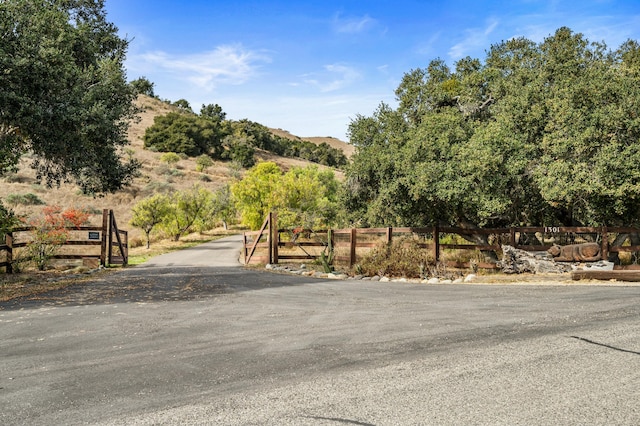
(64, 97)
(538, 134)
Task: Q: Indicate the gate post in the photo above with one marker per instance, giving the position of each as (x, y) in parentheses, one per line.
(352, 252)
(275, 237)
(110, 238)
(9, 242)
(105, 231)
(436, 244)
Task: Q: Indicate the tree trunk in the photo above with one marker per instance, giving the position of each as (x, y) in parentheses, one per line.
(489, 255)
(635, 241)
(619, 240)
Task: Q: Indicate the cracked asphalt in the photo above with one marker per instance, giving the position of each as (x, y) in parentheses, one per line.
(193, 338)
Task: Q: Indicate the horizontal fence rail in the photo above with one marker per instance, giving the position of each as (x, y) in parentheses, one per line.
(272, 245)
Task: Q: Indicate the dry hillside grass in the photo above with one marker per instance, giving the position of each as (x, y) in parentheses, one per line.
(155, 175)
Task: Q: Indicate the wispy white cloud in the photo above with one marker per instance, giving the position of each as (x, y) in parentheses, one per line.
(612, 29)
(353, 25)
(429, 46)
(230, 64)
(474, 39)
(334, 77)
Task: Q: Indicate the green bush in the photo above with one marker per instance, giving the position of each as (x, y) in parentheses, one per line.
(28, 199)
(203, 162)
(171, 158)
(243, 155)
(8, 220)
(143, 86)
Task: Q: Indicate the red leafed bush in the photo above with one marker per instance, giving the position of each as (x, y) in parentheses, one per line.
(50, 231)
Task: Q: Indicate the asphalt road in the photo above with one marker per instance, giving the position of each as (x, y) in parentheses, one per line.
(193, 338)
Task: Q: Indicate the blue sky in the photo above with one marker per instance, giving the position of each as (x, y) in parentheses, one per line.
(310, 67)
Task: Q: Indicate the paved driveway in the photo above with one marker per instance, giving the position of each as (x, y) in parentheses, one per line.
(193, 338)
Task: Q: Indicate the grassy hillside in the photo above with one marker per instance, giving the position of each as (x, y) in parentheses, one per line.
(156, 176)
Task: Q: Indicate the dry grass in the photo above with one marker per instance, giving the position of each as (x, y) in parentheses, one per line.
(155, 175)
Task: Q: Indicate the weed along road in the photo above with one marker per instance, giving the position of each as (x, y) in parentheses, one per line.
(194, 338)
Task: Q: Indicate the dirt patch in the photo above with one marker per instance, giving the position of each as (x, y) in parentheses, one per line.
(31, 284)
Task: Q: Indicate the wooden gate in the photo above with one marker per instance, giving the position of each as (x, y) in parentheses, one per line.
(260, 240)
(113, 242)
(114, 251)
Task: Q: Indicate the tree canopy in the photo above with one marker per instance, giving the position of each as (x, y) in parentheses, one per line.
(301, 196)
(185, 133)
(63, 93)
(538, 133)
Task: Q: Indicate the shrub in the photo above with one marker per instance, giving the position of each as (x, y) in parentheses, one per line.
(143, 86)
(16, 178)
(171, 158)
(24, 199)
(8, 220)
(203, 162)
(403, 258)
(243, 155)
(158, 187)
(51, 230)
(136, 242)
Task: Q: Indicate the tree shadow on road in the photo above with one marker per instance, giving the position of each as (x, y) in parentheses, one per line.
(154, 284)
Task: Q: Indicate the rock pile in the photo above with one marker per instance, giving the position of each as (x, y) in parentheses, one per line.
(303, 271)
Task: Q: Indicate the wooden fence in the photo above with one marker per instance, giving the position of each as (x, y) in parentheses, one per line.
(113, 243)
(272, 245)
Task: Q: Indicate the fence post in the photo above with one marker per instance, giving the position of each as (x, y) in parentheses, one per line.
(436, 244)
(9, 242)
(105, 231)
(389, 235)
(604, 243)
(353, 241)
(275, 240)
(512, 232)
(124, 247)
(110, 238)
(270, 239)
(244, 246)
